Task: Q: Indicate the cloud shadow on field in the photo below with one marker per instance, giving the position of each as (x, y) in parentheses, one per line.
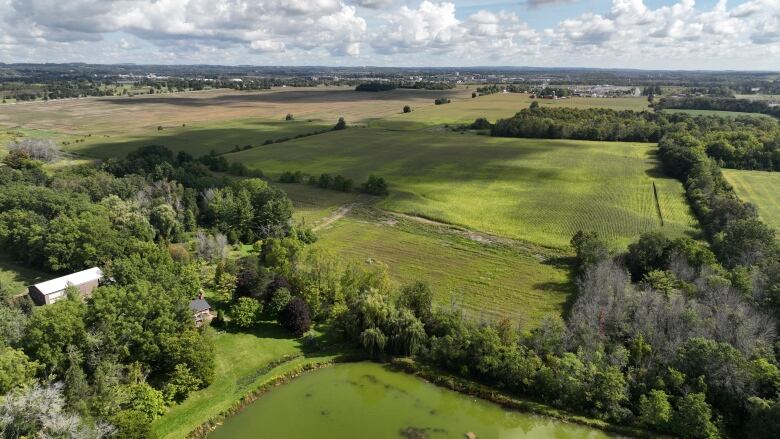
(284, 97)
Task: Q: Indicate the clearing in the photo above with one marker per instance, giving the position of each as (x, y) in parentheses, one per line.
(761, 188)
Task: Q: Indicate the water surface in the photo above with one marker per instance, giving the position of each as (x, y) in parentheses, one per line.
(366, 400)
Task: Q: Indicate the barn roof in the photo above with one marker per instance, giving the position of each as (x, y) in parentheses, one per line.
(75, 279)
(199, 305)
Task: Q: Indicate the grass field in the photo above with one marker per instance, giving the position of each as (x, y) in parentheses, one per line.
(760, 188)
(733, 114)
(242, 365)
(542, 191)
(313, 204)
(485, 279)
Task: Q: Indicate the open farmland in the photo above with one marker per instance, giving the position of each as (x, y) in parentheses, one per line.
(198, 139)
(131, 116)
(542, 191)
(760, 188)
(494, 107)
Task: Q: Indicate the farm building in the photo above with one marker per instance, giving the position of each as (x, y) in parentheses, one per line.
(50, 291)
(201, 310)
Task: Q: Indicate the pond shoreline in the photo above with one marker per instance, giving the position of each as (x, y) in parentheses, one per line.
(471, 388)
(428, 374)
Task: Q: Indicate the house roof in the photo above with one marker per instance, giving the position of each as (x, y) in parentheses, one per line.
(75, 279)
(199, 305)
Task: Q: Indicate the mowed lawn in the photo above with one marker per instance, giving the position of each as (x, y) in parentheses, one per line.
(760, 188)
(485, 280)
(16, 278)
(243, 361)
(197, 139)
(542, 191)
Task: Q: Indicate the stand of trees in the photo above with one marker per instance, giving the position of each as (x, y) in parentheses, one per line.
(742, 143)
(719, 104)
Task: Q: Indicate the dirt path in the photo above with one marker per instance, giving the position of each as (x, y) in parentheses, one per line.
(341, 212)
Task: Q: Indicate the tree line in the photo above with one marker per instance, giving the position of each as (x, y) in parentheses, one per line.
(741, 143)
(719, 104)
(377, 86)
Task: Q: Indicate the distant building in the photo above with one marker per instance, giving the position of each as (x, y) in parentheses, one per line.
(50, 291)
(201, 310)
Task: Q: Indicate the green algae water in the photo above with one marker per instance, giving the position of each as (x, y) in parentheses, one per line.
(366, 400)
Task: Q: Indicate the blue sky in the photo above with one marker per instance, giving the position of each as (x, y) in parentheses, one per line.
(651, 34)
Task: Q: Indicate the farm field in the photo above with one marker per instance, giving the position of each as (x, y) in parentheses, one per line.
(198, 139)
(484, 278)
(130, 116)
(541, 191)
(494, 107)
(733, 114)
(312, 204)
(760, 188)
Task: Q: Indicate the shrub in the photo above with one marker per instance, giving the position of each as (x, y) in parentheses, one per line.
(289, 117)
(279, 301)
(246, 312)
(374, 186)
(295, 317)
(407, 109)
(340, 125)
(480, 124)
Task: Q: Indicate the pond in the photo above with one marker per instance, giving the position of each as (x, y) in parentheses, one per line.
(366, 400)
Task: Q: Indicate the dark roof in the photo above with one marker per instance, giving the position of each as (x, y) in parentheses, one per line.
(199, 305)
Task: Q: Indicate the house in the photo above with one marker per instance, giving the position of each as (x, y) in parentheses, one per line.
(50, 291)
(201, 310)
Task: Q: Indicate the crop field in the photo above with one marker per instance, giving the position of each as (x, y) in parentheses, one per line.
(130, 116)
(760, 188)
(494, 107)
(541, 191)
(197, 140)
(487, 280)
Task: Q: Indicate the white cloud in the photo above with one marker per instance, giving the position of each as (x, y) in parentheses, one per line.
(429, 32)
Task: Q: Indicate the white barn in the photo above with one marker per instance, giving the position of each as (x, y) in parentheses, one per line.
(50, 291)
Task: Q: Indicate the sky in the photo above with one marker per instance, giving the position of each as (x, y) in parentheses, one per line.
(642, 34)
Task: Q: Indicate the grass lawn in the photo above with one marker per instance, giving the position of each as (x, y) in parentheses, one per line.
(760, 188)
(542, 191)
(488, 280)
(733, 114)
(18, 277)
(243, 361)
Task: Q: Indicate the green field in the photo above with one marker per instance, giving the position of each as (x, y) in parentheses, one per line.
(494, 107)
(733, 114)
(242, 366)
(542, 191)
(198, 139)
(760, 188)
(487, 280)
